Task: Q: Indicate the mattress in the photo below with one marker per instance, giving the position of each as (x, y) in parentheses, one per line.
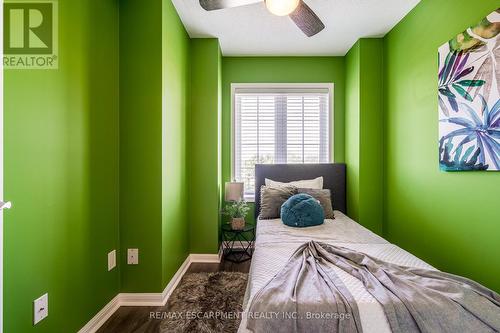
(276, 242)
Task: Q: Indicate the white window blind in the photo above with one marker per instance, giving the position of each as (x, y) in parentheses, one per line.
(279, 126)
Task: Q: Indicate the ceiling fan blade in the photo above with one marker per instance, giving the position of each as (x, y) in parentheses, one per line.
(221, 4)
(307, 20)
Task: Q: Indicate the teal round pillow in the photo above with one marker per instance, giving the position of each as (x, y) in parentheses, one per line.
(302, 210)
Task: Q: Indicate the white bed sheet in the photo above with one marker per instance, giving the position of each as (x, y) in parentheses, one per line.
(276, 242)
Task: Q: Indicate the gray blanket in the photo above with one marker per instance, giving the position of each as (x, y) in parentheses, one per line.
(307, 296)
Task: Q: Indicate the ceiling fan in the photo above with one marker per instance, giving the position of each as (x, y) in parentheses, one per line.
(297, 10)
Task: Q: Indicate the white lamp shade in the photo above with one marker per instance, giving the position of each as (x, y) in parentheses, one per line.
(234, 191)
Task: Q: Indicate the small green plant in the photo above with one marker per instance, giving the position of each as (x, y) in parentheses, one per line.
(236, 209)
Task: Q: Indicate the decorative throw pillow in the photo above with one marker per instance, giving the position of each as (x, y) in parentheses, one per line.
(302, 210)
(324, 197)
(271, 199)
(316, 183)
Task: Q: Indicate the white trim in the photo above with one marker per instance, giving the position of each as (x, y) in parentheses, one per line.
(100, 318)
(208, 258)
(141, 299)
(331, 92)
(146, 299)
(174, 281)
(331, 121)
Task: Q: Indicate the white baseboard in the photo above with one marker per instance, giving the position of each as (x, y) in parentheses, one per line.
(100, 318)
(209, 258)
(174, 281)
(140, 299)
(146, 299)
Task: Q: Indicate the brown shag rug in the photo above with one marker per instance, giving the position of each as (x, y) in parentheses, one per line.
(206, 302)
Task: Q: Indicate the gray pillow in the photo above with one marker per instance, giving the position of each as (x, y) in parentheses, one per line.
(271, 199)
(324, 198)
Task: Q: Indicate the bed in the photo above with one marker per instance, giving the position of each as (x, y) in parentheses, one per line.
(275, 242)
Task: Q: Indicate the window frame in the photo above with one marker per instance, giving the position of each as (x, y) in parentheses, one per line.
(286, 87)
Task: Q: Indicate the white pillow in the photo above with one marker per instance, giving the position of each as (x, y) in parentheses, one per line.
(316, 183)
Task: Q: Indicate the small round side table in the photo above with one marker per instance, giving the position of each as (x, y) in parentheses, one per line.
(238, 244)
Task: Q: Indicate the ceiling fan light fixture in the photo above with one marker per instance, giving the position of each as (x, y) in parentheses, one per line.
(282, 7)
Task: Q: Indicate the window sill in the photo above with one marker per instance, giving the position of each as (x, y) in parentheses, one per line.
(250, 199)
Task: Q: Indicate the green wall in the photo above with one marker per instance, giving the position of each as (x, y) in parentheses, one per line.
(141, 143)
(176, 78)
(448, 219)
(61, 173)
(204, 146)
(352, 118)
(371, 134)
(111, 124)
(153, 143)
(364, 132)
(281, 70)
(127, 145)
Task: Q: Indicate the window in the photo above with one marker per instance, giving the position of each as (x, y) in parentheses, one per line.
(279, 124)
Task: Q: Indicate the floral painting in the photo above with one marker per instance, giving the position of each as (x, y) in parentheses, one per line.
(469, 98)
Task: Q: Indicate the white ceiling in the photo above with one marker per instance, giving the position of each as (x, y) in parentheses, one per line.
(253, 31)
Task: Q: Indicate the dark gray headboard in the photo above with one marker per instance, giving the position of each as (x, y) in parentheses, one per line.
(333, 179)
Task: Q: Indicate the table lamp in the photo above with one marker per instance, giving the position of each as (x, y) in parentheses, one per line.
(234, 191)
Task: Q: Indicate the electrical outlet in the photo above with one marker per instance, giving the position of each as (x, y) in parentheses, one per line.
(133, 256)
(40, 308)
(111, 260)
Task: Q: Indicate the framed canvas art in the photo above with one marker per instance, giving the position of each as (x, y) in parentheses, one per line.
(469, 98)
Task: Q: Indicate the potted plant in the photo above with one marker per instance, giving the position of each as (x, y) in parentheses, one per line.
(236, 210)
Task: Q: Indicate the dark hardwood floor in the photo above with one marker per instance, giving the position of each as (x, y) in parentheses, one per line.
(136, 319)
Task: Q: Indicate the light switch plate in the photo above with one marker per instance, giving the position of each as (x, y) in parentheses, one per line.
(111, 260)
(40, 308)
(133, 256)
